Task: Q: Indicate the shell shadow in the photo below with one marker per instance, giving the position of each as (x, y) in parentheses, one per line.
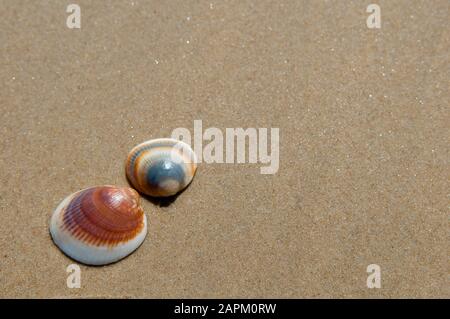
(162, 201)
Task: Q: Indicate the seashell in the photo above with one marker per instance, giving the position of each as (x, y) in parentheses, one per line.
(99, 225)
(161, 167)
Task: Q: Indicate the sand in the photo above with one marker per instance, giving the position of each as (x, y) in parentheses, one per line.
(364, 159)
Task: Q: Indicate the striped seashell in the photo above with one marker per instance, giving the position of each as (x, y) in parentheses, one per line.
(99, 225)
(161, 167)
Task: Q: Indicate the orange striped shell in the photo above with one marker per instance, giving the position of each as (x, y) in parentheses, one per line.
(99, 225)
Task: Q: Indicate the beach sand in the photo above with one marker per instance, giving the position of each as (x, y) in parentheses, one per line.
(364, 158)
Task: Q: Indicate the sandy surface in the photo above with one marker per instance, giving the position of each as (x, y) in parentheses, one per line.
(364, 134)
